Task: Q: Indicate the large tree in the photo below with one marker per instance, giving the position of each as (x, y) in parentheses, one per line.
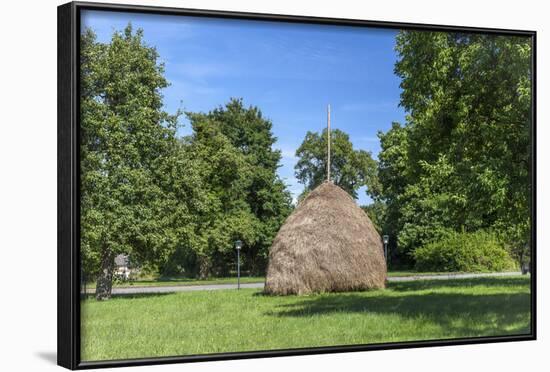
(127, 140)
(349, 168)
(461, 161)
(253, 199)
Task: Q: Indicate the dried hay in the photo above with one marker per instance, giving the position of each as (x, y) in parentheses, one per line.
(328, 244)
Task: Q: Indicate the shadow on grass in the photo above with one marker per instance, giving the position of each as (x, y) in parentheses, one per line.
(417, 285)
(457, 313)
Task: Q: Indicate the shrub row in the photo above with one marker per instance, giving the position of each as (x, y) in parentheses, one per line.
(465, 252)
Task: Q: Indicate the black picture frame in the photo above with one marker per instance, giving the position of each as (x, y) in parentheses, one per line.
(68, 287)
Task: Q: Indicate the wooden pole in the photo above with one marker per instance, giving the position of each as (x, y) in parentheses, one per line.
(328, 143)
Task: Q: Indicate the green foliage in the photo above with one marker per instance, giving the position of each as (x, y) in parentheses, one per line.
(464, 252)
(232, 148)
(176, 204)
(461, 161)
(127, 140)
(377, 214)
(349, 168)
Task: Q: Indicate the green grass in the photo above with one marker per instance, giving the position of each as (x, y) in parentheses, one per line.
(177, 281)
(204, 322)
(166, 282)
(434, 273)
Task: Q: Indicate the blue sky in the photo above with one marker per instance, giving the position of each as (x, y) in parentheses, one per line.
(290, 71)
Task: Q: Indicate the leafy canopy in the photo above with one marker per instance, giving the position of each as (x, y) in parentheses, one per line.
(461, 160)
(127, 139)
(349, 168)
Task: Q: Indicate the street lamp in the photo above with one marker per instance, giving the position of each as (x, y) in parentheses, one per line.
(386, 240)
(238, 245)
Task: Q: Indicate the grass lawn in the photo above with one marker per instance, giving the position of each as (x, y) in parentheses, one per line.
(229, 320)
(162, 282)
(422, 273)
(177, 281)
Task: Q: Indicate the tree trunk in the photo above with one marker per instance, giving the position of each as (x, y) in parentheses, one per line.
(524, 263)
(205, 267)
(252, 263)
(104, 284)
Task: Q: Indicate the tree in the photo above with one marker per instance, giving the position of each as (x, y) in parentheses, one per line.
(377, 213)
(127, 140)
(189, 177)
(461, 161)
(349, 168)
(254, 200)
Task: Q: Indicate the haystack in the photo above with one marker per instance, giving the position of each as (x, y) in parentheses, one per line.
(328, 244)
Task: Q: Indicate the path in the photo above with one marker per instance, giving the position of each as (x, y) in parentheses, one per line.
(212, 287)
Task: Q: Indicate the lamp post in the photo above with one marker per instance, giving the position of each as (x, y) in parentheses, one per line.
(386, 240)
(238, 245)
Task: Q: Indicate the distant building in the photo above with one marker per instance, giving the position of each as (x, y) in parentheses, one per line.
(122, 266)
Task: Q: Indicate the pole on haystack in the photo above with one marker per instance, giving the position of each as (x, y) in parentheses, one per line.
(328, 143)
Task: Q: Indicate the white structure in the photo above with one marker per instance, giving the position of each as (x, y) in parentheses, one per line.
(122, 267)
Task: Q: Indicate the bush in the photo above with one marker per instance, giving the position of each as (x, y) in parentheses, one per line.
(465, 252)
